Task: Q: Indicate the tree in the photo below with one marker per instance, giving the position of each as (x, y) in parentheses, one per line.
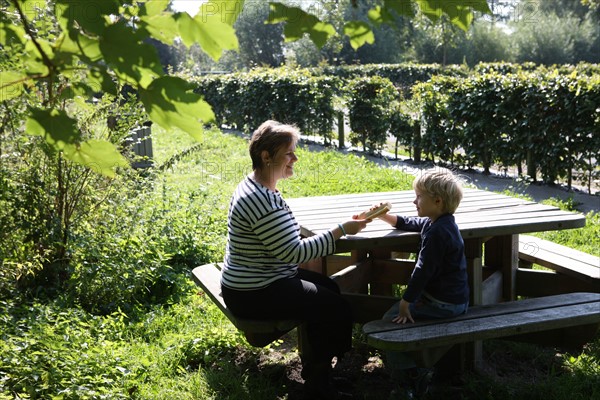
(260, 44)
(557, 32)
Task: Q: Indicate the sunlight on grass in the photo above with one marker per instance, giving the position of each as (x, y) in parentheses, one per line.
(181, 345)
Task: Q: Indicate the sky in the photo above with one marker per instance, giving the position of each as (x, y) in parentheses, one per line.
(191, 6)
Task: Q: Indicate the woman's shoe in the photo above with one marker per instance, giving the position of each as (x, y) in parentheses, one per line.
(318, 383)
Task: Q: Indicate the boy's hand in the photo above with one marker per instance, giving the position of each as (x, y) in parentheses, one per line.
(404, 315)
(375, 211)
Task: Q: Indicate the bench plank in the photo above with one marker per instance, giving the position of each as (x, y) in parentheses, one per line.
(259, 333)
(560, 258)
(488, 322)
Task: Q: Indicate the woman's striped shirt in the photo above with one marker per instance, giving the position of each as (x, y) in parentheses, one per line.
(263, 242)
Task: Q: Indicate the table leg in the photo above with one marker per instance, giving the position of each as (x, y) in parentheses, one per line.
(502, 253)
(382, 289)
(473, 352)
(473, 253)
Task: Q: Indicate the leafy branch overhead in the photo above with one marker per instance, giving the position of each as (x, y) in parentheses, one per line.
(98, 46)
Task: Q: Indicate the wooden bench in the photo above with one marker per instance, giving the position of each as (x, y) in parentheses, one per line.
(568, 320)
(575, 270)
(258, 333)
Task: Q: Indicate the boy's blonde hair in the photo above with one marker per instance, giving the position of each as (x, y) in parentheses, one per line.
(441, 182)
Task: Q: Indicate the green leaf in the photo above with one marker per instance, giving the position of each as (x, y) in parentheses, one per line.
(100, 156)
(82, 46)
(11, 34)
(161, 27)
(460, 14)
(91, 16)
(359, 33)
(101, 81)
(212, 34)
(34, 63)
(11, 84)
(153, 7)
(170, 102)
(132, 60)
(401, 7)
(57, 128)
(298, 22)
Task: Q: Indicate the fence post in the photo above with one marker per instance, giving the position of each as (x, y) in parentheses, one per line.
(140, 140)
(340, 125)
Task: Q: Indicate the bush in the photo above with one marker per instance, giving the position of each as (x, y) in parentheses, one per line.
(369, 111)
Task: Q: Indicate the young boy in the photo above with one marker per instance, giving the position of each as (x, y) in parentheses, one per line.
(438, 286)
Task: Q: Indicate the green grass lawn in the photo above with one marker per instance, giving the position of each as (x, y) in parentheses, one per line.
(181, 346)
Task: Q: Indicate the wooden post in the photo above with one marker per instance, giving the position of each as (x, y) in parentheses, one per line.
(502, 253)
(141, 144)
(340, 124)
(473, 352)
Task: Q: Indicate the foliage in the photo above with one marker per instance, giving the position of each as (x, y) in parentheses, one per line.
(46, 194)
(260, 44)
(245, 100)
(561, 39)
(62, 43)
(546, 117)
(67, 54)
(368, 110)
(179, 343)
(404, 76)
(405, 126)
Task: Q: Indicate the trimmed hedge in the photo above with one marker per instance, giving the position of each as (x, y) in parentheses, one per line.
(245, 100)
(507, 114)
(551, 122)
(369, 101)
(403, 76)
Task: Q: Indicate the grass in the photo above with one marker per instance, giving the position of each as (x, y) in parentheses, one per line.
(183, 347)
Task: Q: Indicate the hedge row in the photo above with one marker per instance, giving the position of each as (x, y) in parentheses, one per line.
(402, 76)
(551, 123)
(500, 113)
(245, 100)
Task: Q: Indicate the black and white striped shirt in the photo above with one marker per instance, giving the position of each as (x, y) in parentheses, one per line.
(263, 241)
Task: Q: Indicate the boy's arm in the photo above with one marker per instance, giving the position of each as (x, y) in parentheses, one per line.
(410, 224)
(404, 314)
(389, 218)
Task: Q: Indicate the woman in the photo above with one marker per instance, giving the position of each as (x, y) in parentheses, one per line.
(261, 278)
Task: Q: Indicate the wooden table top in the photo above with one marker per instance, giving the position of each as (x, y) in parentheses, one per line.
(480, 214)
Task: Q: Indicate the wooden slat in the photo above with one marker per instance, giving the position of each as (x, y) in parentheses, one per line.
(392, 271)
(489, 322)
(481, 214)
(560, 258)
(208, 277)
(508, 308)
(484, 329)
(368, 307)
(536, 283)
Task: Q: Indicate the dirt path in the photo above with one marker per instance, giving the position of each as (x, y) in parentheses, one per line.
(496, 181)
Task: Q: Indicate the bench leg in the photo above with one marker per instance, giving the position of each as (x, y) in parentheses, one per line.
(429, 357)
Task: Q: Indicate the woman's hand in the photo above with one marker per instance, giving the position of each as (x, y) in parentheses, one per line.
(404, 315)
(387, 217)
(364, 213)
(354, 226)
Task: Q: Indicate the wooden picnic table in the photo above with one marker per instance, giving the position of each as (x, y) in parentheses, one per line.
(490, 224)
(367, 266)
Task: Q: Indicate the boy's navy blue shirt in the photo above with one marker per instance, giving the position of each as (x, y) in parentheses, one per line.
(441, 267)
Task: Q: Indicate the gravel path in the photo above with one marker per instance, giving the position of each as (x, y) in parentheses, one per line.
(496, 182)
